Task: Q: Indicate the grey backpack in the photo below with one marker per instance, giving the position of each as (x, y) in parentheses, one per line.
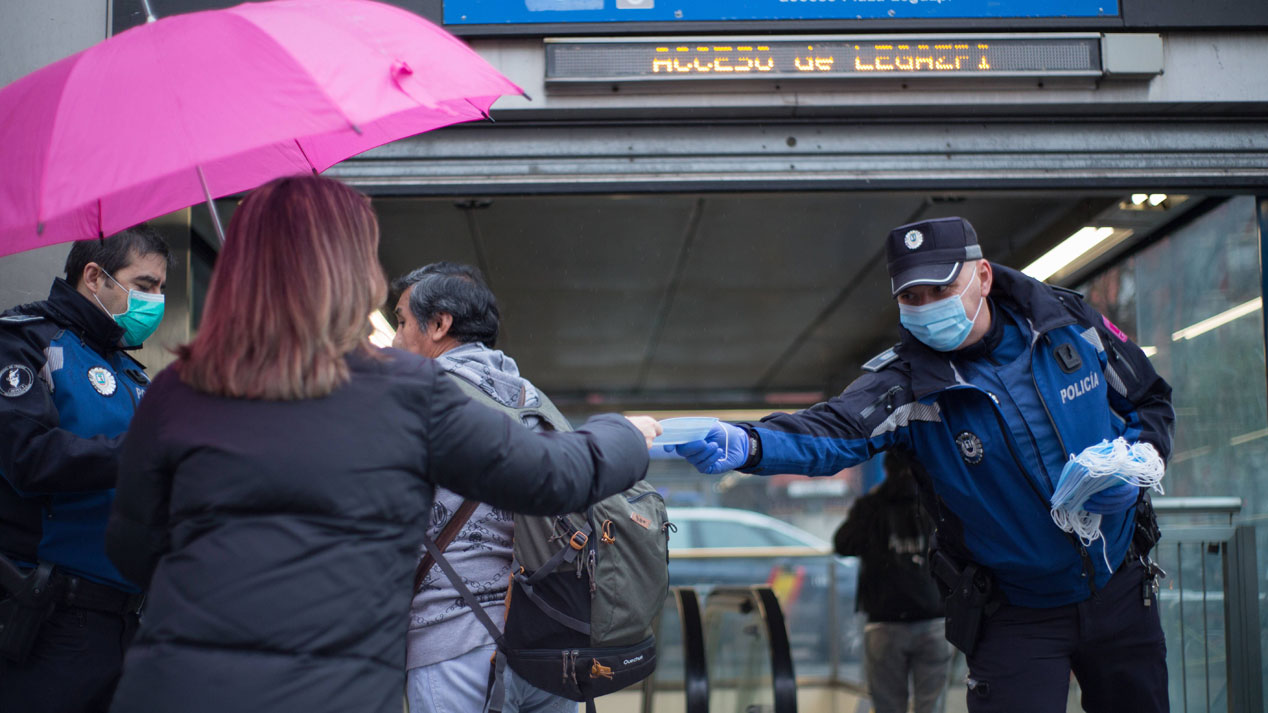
(586, 587)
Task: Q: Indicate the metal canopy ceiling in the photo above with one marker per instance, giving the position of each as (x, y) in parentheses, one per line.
(665, 300)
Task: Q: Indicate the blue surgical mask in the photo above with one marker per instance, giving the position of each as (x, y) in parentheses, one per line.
(941, 325)
(141, 318)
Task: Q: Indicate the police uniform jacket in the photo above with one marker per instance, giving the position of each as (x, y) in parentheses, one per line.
(995, 436)
(67, 394)
(279, 538)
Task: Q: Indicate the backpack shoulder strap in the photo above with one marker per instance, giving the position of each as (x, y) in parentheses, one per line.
(546, 410)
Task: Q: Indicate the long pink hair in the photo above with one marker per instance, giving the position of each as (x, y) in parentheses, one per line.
(293, 288)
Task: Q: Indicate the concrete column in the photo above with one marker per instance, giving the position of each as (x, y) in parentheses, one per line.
(32, 35)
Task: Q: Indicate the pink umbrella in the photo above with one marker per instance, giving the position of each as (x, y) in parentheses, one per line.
(213, 103)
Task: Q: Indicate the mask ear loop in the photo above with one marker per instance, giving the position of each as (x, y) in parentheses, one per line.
(727, 447)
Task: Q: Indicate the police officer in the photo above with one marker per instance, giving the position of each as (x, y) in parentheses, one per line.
(68, 390)
(998, 378)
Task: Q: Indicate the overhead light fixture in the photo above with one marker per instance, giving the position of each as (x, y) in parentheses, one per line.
(383, 333)
(1155, 198)
(1139, 198)
(1149, 351)
(1218, 320)
(1067, 252)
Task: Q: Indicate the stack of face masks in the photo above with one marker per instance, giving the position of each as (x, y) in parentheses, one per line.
(1099, 467)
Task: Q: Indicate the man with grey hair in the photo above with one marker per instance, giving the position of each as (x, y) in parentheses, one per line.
(446, 312)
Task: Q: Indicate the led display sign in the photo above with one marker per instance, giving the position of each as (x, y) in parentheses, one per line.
(718, 58)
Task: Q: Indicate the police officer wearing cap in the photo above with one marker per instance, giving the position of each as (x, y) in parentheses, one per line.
(68, 390)
(997, 379)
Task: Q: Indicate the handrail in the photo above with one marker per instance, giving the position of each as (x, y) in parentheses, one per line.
(742, 552)
(1198, 506)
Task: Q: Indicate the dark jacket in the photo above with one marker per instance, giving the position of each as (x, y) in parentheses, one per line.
(279, 538)
(1087, 382)
(889, 532)
(67, 394)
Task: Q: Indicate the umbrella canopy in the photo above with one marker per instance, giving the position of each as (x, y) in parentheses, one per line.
(117, 134)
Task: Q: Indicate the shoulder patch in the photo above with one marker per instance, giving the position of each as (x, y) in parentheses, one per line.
(882, 360)
(15, 380)
(20, 318)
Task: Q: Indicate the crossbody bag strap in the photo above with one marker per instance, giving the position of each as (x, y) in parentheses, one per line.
(443, 540)
(467, 596)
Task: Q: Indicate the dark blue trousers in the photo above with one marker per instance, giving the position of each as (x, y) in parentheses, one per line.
(1112, 643)
(73, 667)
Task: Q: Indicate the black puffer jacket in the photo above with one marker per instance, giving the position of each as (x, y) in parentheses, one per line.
(278, 539)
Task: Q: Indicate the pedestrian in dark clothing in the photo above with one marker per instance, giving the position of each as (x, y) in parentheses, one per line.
(68, 390)
(905, 638)
(278, 479)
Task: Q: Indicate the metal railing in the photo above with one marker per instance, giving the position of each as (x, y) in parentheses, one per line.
(1209, 605)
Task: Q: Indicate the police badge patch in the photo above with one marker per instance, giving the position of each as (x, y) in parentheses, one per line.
(102, 380)
(970, 447)
(913, 239)
(15, 380)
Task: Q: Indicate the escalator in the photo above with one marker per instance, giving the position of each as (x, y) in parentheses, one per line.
(724, 651)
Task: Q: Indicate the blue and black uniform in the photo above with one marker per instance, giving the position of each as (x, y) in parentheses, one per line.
(994, 424)
(67, 395)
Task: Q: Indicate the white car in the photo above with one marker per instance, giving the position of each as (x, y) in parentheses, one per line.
(711, 528)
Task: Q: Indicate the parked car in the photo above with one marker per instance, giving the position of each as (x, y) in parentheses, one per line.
(795, 563)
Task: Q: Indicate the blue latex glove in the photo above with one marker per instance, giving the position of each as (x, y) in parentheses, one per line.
(707, 455)
(1115, 498)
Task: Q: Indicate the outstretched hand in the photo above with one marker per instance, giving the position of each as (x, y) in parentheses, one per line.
(649, 427)
(724, 448)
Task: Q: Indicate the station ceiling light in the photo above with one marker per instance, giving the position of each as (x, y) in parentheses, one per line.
(1075, 251)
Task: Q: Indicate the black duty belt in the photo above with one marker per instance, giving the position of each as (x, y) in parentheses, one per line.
(86, 594)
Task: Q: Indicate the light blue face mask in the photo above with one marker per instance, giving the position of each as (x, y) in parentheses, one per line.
(141, 318)
(942, 325)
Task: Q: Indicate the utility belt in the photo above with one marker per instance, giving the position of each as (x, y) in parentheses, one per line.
(24, 611)
(971, 594)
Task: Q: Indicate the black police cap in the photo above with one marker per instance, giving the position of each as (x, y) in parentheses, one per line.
(930, 252)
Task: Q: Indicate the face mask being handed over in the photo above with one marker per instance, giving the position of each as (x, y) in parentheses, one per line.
(942, 325)
(142, 316)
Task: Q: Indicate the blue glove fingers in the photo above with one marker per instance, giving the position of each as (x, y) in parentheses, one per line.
(701, 454)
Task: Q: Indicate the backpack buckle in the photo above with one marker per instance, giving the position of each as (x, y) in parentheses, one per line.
(578, 540)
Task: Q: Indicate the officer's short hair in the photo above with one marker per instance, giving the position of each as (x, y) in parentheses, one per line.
(457, 290)
(115, 252)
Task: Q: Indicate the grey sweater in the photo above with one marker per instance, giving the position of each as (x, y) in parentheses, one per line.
(441, 626)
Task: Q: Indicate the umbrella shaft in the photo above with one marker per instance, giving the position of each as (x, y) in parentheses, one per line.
(211, 207)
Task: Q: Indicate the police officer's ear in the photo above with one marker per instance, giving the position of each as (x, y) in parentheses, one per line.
(985, 275)
(94, 278)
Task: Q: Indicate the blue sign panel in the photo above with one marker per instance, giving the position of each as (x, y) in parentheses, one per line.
(496, 12)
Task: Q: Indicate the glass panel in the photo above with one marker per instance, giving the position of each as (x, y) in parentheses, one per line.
(738, 653)
(667, 680)
(1193, 299)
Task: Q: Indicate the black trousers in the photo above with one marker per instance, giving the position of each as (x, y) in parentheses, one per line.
(1113, 644)
(74, 666)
